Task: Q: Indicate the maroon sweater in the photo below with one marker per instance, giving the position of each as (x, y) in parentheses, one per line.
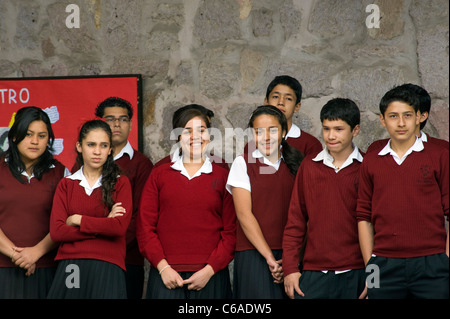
(406, 203)
(271, 193)
(324, 202)
(190, 223)
(137, 170)
(98, 236)
(25, 210)
(306, 143)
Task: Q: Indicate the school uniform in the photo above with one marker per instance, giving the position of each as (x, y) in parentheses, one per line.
(24, 219)
(324, 203)
(137, 167)
(270, 186)
(406, 199)
(190, 222)
(97, 247)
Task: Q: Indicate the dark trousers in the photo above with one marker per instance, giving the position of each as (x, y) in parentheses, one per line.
(424, 277)
(218, 287)
(329, 285)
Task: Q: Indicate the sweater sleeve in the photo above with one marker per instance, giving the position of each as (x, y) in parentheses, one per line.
(296, 225)
(224, 252)
(444, 181)
(116, 226)
(59, 230)
(365, 192)
(147, 220)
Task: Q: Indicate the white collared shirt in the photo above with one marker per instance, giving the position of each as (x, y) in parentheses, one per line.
(205, 169)
(79, 176)
(66, 172)
(328, 160)
(238, 177)
(127, 149)
(294, 132)
(417, 147)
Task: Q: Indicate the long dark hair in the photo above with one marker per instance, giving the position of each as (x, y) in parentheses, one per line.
(24, 117)
(292, 157)
(110, 170)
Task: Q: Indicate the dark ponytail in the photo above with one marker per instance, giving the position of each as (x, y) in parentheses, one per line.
(292, 157)
(110, 170)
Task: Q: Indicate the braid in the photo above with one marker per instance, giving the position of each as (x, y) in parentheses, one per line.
(110, 173)
(292, 157)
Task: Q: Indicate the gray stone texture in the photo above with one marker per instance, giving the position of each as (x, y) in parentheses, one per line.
(223, 53)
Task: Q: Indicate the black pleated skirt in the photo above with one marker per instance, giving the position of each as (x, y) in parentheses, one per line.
(252, 278)
(88, 279)
(218, 287)
(15, 285)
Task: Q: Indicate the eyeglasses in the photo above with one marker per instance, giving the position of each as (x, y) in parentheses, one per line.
(122, 119)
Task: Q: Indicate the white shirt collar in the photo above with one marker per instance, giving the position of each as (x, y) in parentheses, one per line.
(294, 132)
(127, 149)
(179, 166)
(79, 176)
(416, 147)
(423, 136)
(175, 155)
(32, 174)
(328, 160)
(257, 154)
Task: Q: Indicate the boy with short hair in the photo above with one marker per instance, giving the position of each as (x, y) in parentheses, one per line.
(424, 100)
(323, 203)
(402, 199)
(285, 93)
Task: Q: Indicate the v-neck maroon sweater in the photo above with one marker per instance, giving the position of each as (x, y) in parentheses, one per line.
(190, 223)
(406, 203)
(25, 210)
(324, 202)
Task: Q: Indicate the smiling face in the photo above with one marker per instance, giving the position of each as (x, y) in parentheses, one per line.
(194, 139)
(95, 148)
(338, 137)
(268, 135)
(284, 99)
(34, 144)
(400, 120)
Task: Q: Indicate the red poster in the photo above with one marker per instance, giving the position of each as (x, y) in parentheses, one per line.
(69, 102)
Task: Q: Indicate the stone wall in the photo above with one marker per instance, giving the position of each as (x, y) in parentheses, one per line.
(223, 53)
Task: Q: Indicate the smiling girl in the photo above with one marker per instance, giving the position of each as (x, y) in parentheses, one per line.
(261, 182)
(90, 215)
(28, 178)
(186, 224)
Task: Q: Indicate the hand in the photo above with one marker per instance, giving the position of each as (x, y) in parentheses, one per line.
(74, 220)
(117, 210)
(276, 269)
(171, 278)
(200, 278)
(25, 257)
(291, 285)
